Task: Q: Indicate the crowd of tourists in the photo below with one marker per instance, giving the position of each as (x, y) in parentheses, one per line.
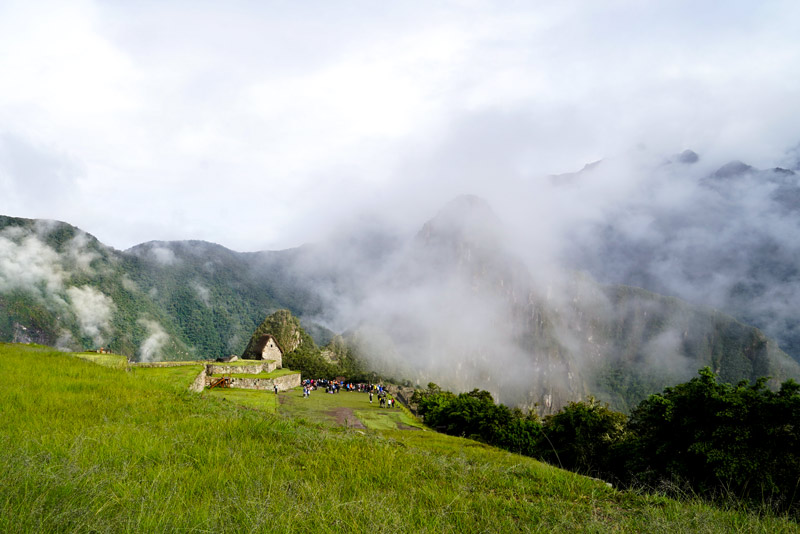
(335, 386)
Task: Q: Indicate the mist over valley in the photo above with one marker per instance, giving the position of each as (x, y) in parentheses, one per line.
(614, 281)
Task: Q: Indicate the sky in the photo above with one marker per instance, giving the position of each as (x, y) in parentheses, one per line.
(263, 125)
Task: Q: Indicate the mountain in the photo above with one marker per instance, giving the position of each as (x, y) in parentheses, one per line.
(180, 300)
(463, 310)
(456, 304)
(722, 237)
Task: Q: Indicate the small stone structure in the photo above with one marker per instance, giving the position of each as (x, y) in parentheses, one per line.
(285, 382)
(269, 349)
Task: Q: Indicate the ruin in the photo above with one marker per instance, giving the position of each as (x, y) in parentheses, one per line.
(268, 349)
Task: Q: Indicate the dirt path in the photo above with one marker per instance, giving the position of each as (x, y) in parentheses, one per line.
(346, 417)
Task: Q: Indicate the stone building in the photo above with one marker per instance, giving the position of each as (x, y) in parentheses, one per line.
(268, 349)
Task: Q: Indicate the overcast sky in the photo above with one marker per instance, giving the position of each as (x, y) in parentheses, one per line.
(259, 125)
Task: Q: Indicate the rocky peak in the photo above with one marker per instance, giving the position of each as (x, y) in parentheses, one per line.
(285, 328)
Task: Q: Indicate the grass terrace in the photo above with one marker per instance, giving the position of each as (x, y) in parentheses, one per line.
(351, 409)
(179, 377)
(109, 360)
(260, 400)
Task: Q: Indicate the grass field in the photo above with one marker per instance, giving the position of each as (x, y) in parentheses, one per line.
(109, 360)
(178, 377)
(265, 401)
(333, 408)
(89, 448)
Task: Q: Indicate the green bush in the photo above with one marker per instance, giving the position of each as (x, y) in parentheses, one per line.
(726, 441)
(582, 437)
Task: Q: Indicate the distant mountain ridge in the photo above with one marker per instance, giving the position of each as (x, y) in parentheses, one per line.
(158, 300)
(729, 243)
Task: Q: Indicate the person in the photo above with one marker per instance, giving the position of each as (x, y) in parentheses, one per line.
(370, 397)
(275, 387)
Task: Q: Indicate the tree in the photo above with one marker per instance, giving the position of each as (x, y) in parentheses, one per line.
(722, 440)
(582, 436)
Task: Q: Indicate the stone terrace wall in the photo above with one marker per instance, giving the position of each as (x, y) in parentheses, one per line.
(199, 383)
(284, 382)
(168, 364)
(266, 366)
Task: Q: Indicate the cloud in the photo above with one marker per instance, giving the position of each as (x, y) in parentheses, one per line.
(94, 311)
(270, 126)
(163, 255)
(129, 285)
(79, 253)
(27, 263)
(157, 338)
(324, 109)
(203, 293)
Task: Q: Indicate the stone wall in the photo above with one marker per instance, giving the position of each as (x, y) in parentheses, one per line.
(258, 366)
(284, 382)
(169, 364)
(199, 383)
(272, 352)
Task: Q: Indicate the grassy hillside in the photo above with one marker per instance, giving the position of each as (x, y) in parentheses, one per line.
(87, 447)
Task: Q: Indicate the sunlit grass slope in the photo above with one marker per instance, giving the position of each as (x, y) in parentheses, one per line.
(88, 448)
(322, 407)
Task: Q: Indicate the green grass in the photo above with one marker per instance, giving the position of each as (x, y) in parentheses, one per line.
(87, 448)
(109, 360)
(180, 377)
(386, 419)
(274, 374)
(319, 407)
(265, 401)
(183, 363)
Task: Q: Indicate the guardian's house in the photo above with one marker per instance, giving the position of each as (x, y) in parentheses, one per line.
(268, 349)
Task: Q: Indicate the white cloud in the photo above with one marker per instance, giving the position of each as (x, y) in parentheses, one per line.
(163, 255)
(203, 293)
(27, 263)
(157, 338)
(253, 125)
(94, 311)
